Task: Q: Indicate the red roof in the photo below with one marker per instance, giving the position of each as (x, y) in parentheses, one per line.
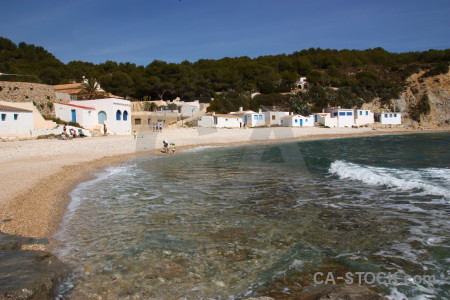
(78, 106)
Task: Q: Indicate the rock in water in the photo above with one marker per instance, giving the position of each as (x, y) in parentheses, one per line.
(30, 274)
(339, 292)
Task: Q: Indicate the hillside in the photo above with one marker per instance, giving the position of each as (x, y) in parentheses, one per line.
(371, 78)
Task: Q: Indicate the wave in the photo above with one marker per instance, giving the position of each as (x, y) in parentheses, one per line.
(432, 181)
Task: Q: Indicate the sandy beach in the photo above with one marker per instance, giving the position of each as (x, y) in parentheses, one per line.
(37, 175)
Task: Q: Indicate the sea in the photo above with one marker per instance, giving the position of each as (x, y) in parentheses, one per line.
(265, 220)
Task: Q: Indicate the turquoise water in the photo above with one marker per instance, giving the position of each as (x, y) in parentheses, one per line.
(234, 222)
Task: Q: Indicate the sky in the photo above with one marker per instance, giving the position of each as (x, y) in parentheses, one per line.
(140, 31)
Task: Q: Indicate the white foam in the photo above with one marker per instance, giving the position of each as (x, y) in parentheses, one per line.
(430, 181)
(201, 148)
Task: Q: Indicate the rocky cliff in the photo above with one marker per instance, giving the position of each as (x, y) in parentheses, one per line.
(437, 89)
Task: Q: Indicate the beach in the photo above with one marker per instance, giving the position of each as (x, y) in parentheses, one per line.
(37, 175)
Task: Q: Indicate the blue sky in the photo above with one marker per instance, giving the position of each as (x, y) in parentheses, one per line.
(141, 31)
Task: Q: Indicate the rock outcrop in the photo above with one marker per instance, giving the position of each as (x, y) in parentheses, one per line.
(28, 274)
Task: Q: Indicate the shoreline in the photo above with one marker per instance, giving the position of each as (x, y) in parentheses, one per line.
(38, 211)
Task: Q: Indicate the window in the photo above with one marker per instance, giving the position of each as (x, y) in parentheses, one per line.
(335, 114)
(3, 117)
(385, 115)
(342, 113)
(255, 117)
(395, 115)
(16, 116)
(367, 112)
(296, 121)
(260, 117)
(125, 115)
(349, 113)
(149, 121)
(306, 120)
(226, 120)
(390, 115)
(273, 117)
(137, 121)
(360, 112)
(118, 115)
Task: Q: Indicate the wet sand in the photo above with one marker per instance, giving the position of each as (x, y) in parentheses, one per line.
(37, 175)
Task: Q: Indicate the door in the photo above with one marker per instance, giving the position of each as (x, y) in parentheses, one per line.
(74, 115)
(301, 122)
(101, 117)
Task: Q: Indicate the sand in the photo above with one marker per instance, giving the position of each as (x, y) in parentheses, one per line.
(37, 175)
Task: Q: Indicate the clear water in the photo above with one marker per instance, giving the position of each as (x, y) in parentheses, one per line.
(235, 222)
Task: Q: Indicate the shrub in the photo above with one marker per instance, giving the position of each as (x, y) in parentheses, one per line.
(421, 108)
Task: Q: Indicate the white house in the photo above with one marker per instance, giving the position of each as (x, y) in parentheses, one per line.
(301, 83)
(345, 117)
(326, 119)
(363, 117)
(274, 117)
(389, 118)
(220, 121)
(86, 116)
(114, 112)
(251, 118)
(15, 121)
(297, 121)
(188, 109)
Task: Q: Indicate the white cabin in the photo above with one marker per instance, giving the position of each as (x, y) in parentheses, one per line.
(220, 121)
(390, 118)
(15, 121)
(297, 121)
(363, 117)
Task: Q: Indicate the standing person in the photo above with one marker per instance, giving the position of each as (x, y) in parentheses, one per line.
(160, 127)
(134, 134)
(105, 130)
(173, 148)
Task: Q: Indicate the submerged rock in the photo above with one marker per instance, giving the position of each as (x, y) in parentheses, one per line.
(339, 292)
(28, 274)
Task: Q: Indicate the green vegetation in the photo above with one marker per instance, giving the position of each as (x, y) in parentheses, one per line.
(338, 77)
(421, 108)
(61, 122)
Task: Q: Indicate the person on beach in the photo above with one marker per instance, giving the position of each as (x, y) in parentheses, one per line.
(160, 127)
(165, 146)
(173, 148)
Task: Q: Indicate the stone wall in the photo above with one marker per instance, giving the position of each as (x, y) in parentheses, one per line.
(42, 95)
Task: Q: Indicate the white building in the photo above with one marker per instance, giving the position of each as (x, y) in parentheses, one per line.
(251, 118)
(274, 117)
(86, 116)
(325, 119)
(301, 83)
(336, 117)
(297, 121)
(15, 121)
(114, 112)
(188, 109)
(345, 117)
(363, 117)
(220, 121)
(389, 118)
